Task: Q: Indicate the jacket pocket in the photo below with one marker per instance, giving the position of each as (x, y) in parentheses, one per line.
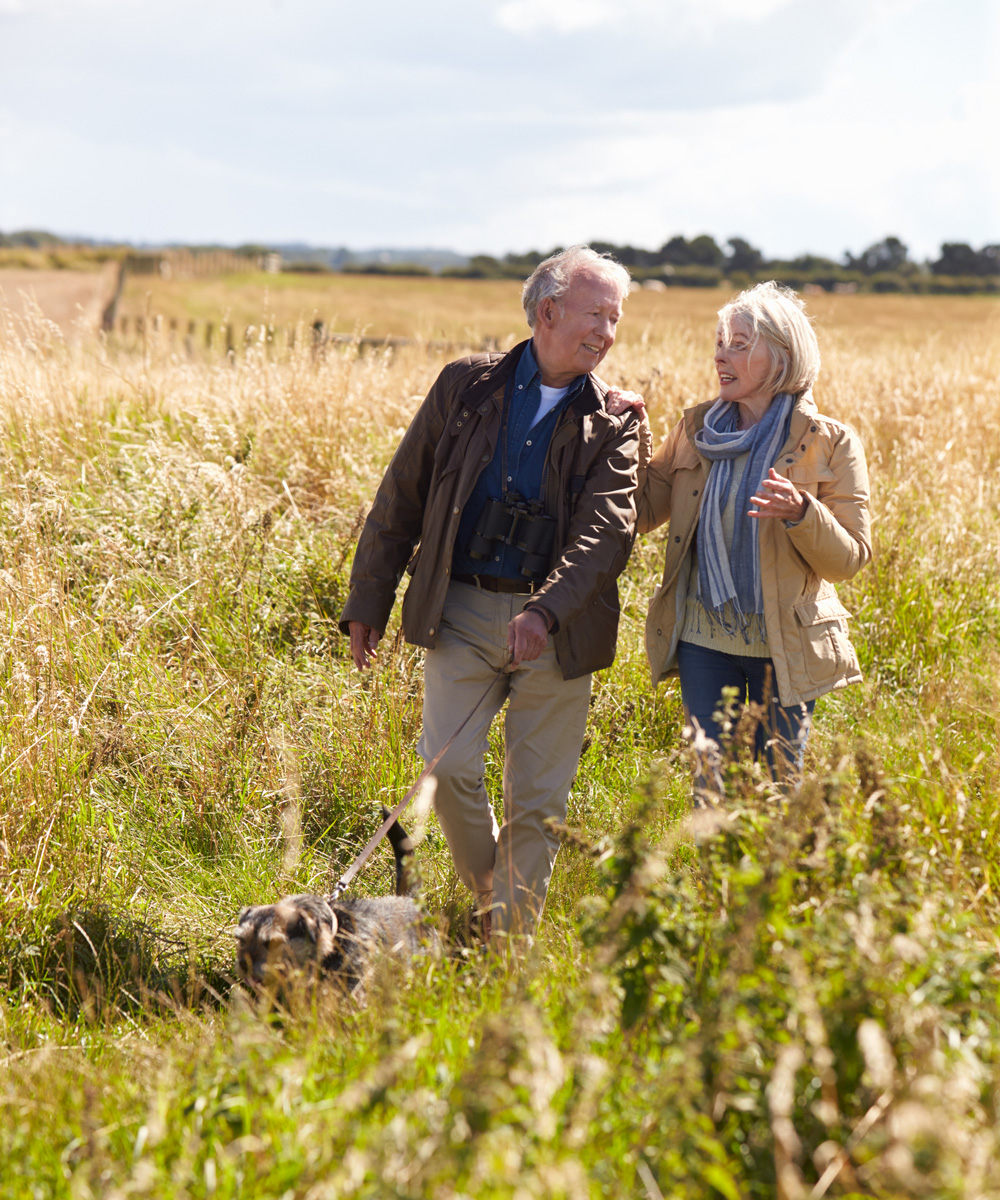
(826, 649)
(810, 476)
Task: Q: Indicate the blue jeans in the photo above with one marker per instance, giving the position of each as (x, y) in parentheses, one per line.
(780, 739)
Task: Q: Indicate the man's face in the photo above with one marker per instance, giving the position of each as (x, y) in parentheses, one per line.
(573, 334)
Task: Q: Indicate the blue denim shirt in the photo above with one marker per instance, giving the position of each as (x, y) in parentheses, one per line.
(527, 453)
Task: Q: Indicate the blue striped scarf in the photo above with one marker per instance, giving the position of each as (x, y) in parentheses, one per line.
(729, 586)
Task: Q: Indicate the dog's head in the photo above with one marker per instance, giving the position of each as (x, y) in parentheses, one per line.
(276, 941)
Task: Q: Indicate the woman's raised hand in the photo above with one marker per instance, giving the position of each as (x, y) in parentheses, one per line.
(778, 497)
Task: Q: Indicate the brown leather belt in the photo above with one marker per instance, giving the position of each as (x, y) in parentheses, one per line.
(493, 583)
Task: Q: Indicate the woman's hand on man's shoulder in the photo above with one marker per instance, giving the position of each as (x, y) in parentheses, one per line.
(619, 401)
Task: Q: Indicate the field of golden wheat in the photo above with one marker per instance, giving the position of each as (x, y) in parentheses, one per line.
(804, 1003)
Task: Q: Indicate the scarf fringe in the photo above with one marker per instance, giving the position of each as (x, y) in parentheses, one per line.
(732, 621)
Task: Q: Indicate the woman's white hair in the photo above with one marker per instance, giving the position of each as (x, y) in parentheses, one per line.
(777, 316)
(554, 276)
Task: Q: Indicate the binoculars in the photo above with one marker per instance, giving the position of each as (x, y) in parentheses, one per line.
(520, 523)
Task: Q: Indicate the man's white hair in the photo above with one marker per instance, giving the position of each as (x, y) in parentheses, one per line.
(554, 276)
(776, 315)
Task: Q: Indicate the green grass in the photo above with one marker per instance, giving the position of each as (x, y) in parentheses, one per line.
(710, 1011)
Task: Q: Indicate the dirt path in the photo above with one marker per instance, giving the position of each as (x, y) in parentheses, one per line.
(74, 300)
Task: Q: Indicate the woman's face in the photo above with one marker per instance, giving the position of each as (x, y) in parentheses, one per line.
(744, 367)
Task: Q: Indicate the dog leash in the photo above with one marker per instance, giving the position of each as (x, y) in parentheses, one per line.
(359, 862)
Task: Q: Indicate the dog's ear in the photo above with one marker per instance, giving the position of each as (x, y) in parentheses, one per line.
(309, 920)
(303, 925)
(326, 916)
(241, 927)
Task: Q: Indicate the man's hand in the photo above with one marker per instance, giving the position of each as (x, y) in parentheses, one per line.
(527, 636)
(778, 497)
(364, 642)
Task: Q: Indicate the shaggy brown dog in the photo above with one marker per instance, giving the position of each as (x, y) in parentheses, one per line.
(338, 939)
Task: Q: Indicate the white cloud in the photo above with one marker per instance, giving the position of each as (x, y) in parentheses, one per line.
(745, 10)
(649, 17)
(708, 15)
(561, 16)
(52, 8)
(833, 171)
(291, 78)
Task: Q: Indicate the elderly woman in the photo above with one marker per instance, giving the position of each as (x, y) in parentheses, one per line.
(767, 502)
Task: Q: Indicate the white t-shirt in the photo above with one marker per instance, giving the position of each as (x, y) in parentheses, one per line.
(550, 398)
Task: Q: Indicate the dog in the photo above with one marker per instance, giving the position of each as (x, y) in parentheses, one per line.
(335, 939)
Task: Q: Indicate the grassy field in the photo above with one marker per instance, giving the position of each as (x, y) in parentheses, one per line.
(799, 1002)
(432, 308)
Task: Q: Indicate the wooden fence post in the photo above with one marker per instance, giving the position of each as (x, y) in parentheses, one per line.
(319, 337)
(108, 316)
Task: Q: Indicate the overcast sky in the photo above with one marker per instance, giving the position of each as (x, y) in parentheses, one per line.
(497, 125)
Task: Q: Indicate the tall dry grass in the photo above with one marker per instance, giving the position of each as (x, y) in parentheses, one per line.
(182, 733)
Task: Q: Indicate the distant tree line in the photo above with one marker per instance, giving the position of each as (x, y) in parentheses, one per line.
(29, 239)
(885, 266)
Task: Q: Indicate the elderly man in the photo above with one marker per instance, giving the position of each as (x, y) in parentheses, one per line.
(510, 501)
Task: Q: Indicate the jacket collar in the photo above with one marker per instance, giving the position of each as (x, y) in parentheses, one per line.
(494, 380)
(495, 376)
(804, 413)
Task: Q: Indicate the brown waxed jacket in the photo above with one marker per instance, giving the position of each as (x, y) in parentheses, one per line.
(589, 489)
(806, 623)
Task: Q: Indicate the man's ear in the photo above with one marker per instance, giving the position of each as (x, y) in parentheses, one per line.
(548, 311)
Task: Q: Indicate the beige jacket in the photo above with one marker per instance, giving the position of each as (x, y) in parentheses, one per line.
(806, 623)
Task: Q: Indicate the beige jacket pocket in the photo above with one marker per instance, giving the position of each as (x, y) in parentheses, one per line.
(810, 476)
(826, 649)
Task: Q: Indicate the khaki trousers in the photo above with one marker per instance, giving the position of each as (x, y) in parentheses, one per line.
(507, 867)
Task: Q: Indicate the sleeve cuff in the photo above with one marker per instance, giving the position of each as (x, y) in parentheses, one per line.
(548, 617)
